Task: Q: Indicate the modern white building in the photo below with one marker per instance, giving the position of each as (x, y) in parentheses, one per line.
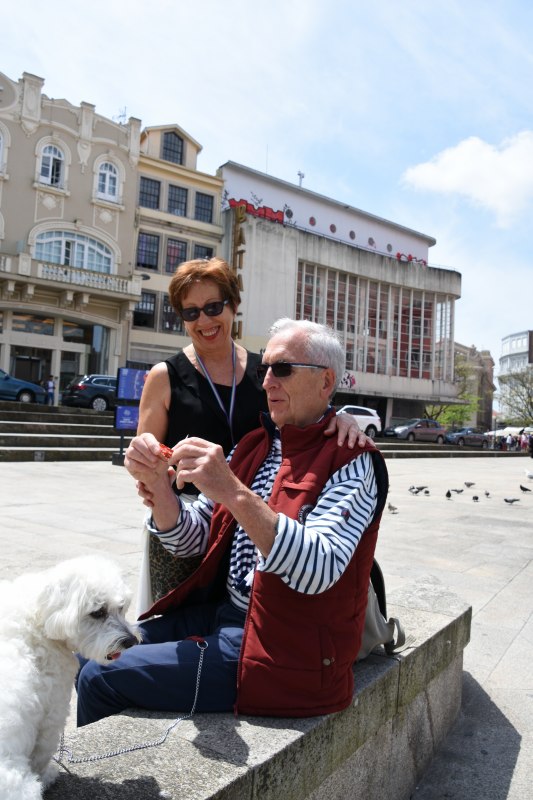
(517, 352)
(517, 355)
(304, 255)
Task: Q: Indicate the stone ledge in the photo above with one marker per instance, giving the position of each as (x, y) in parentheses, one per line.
(403, 708)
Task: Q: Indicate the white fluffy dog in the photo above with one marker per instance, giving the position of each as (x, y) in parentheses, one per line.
(77, 606)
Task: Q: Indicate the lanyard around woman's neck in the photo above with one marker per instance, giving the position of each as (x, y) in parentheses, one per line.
(229, 416)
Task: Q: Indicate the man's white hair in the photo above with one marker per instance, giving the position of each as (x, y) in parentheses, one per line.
(322, 344)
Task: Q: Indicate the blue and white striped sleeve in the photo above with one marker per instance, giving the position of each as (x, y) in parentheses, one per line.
(189, 536)
(311, 557)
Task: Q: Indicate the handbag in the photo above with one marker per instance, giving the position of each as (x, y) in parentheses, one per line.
(377, 629)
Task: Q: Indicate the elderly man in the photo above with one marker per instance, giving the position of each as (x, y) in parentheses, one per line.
(288, 526)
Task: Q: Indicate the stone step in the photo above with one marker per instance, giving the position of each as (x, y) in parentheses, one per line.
(57, 428)
(60, 454)
(68, 439)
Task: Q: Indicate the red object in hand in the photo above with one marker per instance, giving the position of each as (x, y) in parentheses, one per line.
(166, 452)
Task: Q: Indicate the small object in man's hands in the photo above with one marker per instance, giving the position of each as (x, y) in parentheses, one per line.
(166, 452)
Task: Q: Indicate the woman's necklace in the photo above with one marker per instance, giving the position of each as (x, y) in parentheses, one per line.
(229, 416)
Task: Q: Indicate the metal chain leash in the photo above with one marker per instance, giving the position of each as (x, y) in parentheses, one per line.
(65, 751)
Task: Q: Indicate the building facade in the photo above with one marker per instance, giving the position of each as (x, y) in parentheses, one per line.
(304, 255)
(480, 383)
(68, 186)
(517, 355)
(178, 218)
(517, 352)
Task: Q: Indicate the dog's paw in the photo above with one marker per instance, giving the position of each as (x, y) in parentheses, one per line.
(50, 774)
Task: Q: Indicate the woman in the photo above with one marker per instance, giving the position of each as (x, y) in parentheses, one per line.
(210, 390)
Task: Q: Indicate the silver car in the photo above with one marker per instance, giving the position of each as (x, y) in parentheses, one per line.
(421, 430)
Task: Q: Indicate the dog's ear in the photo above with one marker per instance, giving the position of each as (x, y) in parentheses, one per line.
(58, 610)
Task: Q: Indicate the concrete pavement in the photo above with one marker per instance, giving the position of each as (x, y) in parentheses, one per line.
(482, 551)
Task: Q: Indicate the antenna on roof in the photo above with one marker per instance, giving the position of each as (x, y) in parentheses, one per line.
(121, 117)
(301, 176)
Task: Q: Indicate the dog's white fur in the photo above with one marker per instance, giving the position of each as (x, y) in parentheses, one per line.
(77, 606)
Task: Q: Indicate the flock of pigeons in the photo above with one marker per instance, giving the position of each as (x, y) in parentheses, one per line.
(468, 484)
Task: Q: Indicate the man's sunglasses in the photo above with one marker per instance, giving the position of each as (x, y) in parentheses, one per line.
(192, 313)
(282, 369)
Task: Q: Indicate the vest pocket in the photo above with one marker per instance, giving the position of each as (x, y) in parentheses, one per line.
(328, 657)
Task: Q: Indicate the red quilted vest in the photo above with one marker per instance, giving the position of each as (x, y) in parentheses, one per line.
(298, 650)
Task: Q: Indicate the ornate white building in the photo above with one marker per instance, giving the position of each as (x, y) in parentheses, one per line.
(68, 180)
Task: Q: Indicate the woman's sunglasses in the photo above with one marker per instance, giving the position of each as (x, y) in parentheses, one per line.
(192, 313)
(282, 369)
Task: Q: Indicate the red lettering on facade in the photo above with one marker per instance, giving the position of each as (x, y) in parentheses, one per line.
(263, 211)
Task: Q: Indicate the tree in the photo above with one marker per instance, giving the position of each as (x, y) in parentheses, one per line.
(455, 415)
(517, 394)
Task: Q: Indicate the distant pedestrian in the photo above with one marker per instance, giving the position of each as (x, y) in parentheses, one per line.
(510, 441)
(530, 445)
(50, 390)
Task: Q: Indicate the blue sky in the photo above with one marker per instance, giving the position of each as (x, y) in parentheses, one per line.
(419, 112)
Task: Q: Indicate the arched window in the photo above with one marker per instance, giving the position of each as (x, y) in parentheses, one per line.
(108, 182)
(52, 169)
(73, 249)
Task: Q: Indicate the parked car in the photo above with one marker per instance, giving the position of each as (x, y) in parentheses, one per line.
(23, 391)
(367, 419)
(471, 437)
(91, 391)
(421, 430)
(395, 422)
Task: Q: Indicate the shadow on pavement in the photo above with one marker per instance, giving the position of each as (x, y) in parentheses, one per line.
(478, 757)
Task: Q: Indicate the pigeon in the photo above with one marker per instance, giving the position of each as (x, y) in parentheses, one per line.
(487, 494)
(511, 499)
(525, 488)
(457, 491)
(528, 473)
(392, 509)
(475, 498)
(448, 494)
(468, 484)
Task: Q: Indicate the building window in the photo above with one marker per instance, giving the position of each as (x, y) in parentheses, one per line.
(147, 251)
(170, 321)
(203, 207)
(201, 251)
(108, 182)
(52, 166)
(144, 311)
(176, 253)
(74, 250)
(172, 148)
(32, 323)
(149, 193)
(177, 201)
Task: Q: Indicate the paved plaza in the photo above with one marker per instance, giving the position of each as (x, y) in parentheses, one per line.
(482, 551)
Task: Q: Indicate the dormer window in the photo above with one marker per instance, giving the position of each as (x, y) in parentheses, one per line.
(172, 148)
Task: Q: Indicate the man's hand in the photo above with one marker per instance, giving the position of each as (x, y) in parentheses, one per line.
(204, 464)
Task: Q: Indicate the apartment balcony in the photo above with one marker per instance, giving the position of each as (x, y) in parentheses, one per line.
(21, 275)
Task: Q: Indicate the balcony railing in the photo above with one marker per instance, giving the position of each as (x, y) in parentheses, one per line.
(88, 279)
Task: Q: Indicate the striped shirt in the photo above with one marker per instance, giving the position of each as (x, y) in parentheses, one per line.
(308, 555)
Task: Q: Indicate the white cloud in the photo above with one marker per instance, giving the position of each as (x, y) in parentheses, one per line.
(498, 178)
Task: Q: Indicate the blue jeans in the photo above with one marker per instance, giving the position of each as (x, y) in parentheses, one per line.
(160, 674)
